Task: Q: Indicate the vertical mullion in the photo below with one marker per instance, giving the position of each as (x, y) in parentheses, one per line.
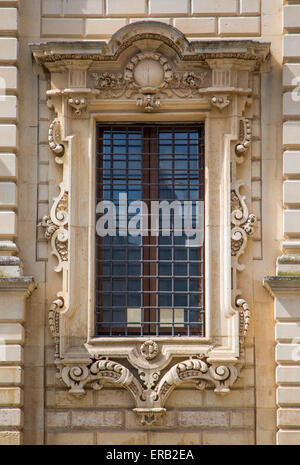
(153, 240)
(145, 239)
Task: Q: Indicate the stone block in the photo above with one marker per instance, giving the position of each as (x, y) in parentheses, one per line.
(12, 417)
(103, 27)
(290, 104)
(86, 8)
(235, 398)
(85, 419)
(290, 72)
(291, 223)
(132, 438)
(291, 132)
(287, 331)
(168, 7)
(8, 19)
(113, 398)
(288, 417)
(291, 192)
(8, 49)
(247, 26)
(8, 164)
(288, 374)
(288, 352)
(12, 301)
(291, 163)
(11, 375)
(196, 26)
(8, 133)
(291, 45)
(288, 438)
(8, 194)
(58, 419)
(11, 353)
(52, 7)
(7, 224)
(203, 419)
(185, 398)
(11, 397)
(242, 418)
(218, 7)
(11, 332)
(68, 27)
(128, 8)
(11, 438)
(288, 396)
(63, 399)
(176, 438)
(70, 439)
(249, 7)
(8, 79)
(230, 438)
(291, 15)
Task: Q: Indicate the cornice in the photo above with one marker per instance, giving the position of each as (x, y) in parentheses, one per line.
(200, 51)
(276, 284)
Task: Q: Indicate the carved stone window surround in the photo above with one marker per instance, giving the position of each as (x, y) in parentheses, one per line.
(98, 82)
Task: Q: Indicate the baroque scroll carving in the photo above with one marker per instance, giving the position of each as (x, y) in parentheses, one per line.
(56, 228)
(242, 223)
(148, 77)
(57, 231)
(150, 400)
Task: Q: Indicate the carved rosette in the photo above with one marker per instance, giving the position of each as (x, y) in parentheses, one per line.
(149, 349)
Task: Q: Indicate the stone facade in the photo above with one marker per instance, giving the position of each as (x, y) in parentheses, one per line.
(53, 56)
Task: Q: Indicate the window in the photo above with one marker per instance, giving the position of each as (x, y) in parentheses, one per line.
(149, 273)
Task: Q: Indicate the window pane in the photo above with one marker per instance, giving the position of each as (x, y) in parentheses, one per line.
(150, 284)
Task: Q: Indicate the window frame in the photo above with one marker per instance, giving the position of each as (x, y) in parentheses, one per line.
(149, 326)
(224, 103)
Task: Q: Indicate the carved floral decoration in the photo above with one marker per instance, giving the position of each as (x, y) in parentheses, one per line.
(148, 77)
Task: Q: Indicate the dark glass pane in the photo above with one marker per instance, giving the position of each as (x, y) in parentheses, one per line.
(165, 300)
(180, 284)
(165, 285)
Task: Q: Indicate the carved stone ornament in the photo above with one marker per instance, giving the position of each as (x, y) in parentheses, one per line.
(245, 136)
(54, 137)
(245, 315)
(149, 401)
(149, 77)
(149, 349)
(149, 67)
(56, 228)
(220, 101)
(242, 222)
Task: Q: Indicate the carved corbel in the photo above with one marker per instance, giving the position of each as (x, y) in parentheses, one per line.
(78, 103)
(220, 101)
